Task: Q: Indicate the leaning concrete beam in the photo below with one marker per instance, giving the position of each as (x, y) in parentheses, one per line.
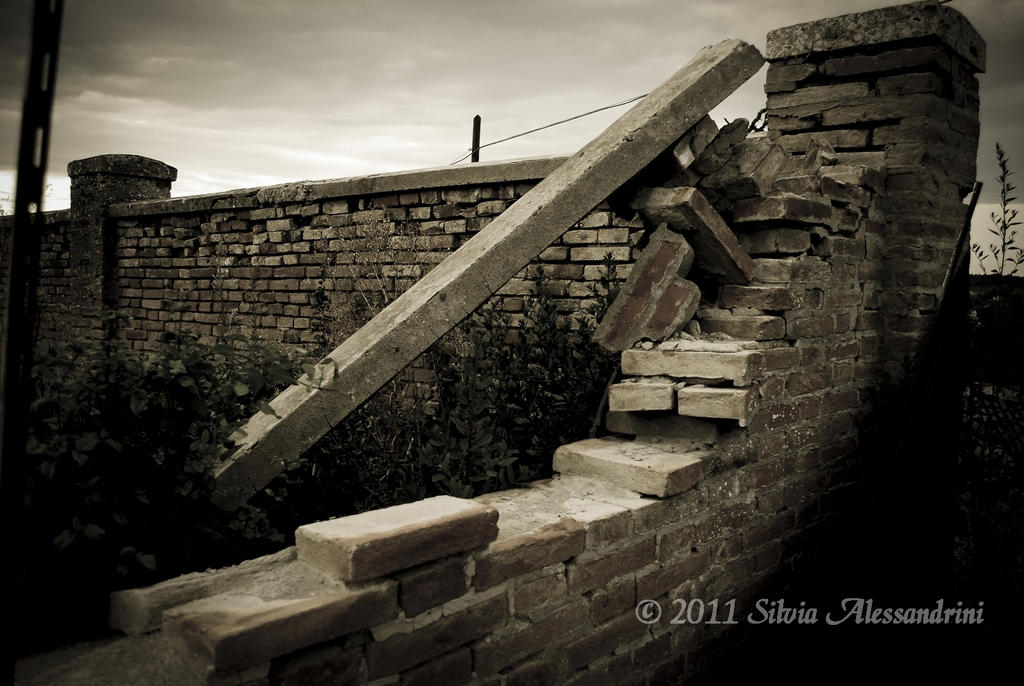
(456, 287)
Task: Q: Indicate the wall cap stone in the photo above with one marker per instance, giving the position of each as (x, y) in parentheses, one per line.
(886, 25)
(378, 542)
(123, 165)
(505, 171)
(49, 218)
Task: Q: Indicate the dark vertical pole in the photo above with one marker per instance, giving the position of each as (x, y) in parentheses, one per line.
(20, 311)
(476, 139)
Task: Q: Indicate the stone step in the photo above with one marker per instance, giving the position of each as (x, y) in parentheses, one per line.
(741, 368)
(648, 466)
(716, 403)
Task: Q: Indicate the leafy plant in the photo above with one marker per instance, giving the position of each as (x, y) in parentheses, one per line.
(120, 449)
(1005, 253)
(511, 396)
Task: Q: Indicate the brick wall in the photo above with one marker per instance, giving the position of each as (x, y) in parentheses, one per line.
(290, 261)
(906, 102)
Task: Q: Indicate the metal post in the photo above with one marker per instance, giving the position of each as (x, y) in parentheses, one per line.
(21, 284)
(476, 139)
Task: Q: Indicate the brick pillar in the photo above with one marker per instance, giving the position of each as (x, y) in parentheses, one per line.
(96, 183)
(893, 88)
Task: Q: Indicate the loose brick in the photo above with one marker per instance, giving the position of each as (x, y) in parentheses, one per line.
(748, 173)
(234, 632)
(629, 318)
(649, 467)
(717, 403)
(686, 210)
(721, 149)
(642, 394)
(740, 367)
(789, 208)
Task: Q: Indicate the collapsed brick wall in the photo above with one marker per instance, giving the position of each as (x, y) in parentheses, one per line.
(558, 602)
(553, 598)
(846, 246)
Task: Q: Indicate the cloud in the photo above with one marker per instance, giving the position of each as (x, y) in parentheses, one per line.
(237, 91)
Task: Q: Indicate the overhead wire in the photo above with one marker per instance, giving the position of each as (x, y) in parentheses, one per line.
(548, 126)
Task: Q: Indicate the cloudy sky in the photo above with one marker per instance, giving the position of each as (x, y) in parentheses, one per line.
(237, 93)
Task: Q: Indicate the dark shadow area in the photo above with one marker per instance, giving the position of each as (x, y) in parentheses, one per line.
(939, 517)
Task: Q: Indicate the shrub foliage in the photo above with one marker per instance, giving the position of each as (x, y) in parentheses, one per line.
(121, 446)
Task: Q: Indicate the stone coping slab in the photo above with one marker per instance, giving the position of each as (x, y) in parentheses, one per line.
(505, 171)
(379, 542)
(234, 632)
(885, 25)
(655, 468)
(271, 577)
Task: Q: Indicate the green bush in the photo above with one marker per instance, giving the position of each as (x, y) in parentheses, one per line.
(120, 449)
